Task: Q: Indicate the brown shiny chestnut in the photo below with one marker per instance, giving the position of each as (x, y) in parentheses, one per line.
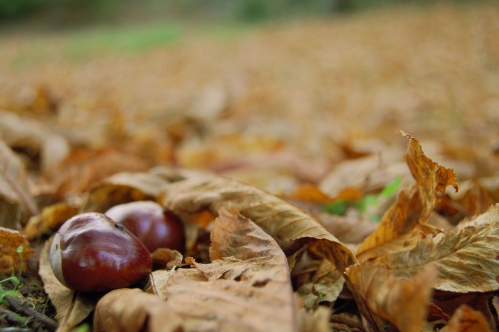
(91, 253)
(153, 225)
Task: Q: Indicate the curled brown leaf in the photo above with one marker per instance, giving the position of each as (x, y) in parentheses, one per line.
(290, 226)
(414, 204)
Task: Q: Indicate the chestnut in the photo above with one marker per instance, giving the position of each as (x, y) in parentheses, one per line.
(153, 225)
(91, 253)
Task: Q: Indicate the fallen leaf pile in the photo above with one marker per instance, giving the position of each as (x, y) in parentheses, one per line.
(295, 220)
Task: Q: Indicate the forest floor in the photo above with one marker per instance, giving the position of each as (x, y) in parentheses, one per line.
(308, 109)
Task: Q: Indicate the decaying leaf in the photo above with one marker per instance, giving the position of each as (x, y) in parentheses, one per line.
(246, 288)
(413, 205)
(123, 188)
(50, 219)
(347, 229)
(314, 321)
(164, 257)
(345, 322)
(310, 193)
(288, 225)
(14, 189)
(82, 169)
(466, 258)
(402, 302)
(327, 283)
(29, 134)
(449, 303)
(11, 253)
(466, 319)
(478, 199)
(132, 310)
(72, 307)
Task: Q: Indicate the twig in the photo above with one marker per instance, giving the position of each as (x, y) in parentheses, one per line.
(12, 317)
(23, 307)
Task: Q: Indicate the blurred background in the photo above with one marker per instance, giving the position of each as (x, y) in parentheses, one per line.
(221, 85)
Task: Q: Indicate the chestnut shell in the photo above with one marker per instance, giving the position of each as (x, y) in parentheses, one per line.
(154, 226)
(91, 253)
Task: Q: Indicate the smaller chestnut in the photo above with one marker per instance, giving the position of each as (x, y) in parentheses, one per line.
(91, 253)
(153, 225)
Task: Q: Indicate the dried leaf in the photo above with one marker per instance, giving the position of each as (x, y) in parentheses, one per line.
(402, 302)
(310, 193)
(51, 218)
(162, 256)
(123, 188)
(14, 187)
(33, 135)
(347, 229)
(345, 322)
(10, 258)
(284, 222)
(449, 302)
(435, 320)
(72, 307)
(466, 258)
(478, 199)
(413, 205)
(82, 169)
(314, 321)
(350, 174)
(326, 286)
(430, 177)
(466, 319)
(247, 289)
(132, 310)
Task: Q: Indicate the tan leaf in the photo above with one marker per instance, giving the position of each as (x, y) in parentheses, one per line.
(466, 319)
(349, 174)
(314, 321)
(286, 223)
(327, 283)
(51, 218)
(247, 289)
(466, 258)
(14, 188)
(33, 135)
(161, 258)
(10, 258)
(347, 229)
(72, 307)
(123, 188)
(345, 322)
(478, 199)
(82, 169)
(402, 302)
(413, 205)
(132, 310)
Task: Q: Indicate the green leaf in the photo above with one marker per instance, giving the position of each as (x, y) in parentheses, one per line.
(337, 207)
(367, 201)
(391, 188)
(13, 279)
